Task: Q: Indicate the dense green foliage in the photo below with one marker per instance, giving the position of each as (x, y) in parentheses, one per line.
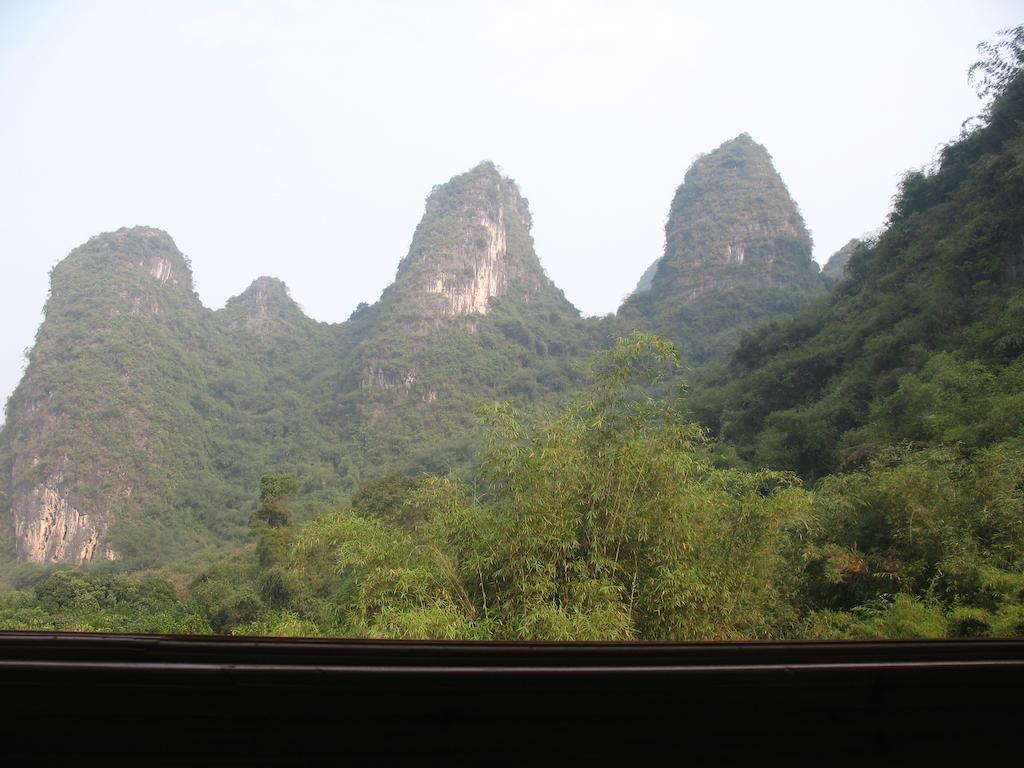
(81, 602)
(940, 529)
(608, 519)
(929, 314)
(854, 471)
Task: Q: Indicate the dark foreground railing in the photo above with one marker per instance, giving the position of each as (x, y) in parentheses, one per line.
(125, 699)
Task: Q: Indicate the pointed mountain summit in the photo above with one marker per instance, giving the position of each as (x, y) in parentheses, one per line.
(471, 317)
(736, 252)
(732, 222)
(472, 244)
(265, 306)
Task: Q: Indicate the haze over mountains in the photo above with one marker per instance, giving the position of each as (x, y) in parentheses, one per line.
(145, 417)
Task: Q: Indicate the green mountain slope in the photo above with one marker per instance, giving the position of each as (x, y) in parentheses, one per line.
(928, 321)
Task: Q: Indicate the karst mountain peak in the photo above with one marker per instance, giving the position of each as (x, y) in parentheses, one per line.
(472, 244)
(732, 215)
(737, 252)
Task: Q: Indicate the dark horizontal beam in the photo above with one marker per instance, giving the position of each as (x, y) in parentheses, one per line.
(278, 701)
(172, 649)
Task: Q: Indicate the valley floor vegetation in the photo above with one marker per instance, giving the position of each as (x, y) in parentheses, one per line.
(616, 518)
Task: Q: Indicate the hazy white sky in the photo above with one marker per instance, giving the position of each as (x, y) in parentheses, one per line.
(300, 139)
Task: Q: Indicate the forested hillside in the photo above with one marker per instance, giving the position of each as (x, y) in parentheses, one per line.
(468, 458)
(921, 341)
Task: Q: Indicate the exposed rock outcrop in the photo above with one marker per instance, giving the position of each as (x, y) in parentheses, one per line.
(467, 294)
(49, 529)
(380, 373)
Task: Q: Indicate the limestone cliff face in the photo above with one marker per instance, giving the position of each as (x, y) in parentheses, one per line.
(472, 244)
(48, 529)
(486, 274)
(736, 253)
